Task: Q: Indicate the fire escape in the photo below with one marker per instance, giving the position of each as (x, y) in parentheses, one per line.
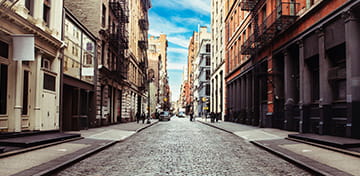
(143, 43)
(119, 37)
(269, 26)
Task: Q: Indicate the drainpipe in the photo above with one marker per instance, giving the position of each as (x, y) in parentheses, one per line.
(61, 72)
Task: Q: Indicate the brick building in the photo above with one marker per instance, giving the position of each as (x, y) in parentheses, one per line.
(294, 65)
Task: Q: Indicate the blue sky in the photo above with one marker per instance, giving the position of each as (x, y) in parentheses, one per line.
(178, 19)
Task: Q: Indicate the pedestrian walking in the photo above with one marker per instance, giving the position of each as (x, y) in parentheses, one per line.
(191, 116)
(212, 116)
(143, 117)
(137, 117)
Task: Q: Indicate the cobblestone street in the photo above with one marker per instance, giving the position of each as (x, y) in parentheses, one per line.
(181, 147)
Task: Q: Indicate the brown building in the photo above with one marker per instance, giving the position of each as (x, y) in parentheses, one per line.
(107, 20)
(192, 51)
(293, 65)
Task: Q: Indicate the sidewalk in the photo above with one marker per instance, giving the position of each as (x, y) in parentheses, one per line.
(318, 160)
(49, 159)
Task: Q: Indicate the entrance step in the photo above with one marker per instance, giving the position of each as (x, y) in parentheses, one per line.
(37, 139)
(334, 141)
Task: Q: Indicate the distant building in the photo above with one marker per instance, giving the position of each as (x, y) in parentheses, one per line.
(192, 51)
(217, 95)
(201, 71)
(157, 57)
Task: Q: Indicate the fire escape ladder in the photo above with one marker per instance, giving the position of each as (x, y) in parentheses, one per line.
(248, 5)
(279, 20)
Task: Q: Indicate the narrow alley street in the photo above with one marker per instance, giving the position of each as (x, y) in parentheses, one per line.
(181, 147)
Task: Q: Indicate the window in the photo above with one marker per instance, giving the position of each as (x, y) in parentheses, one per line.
(208, 75)
(29, 5)
(207, 90)
(4, 50)
(263, 13)
(49, 82)
(25, 102)
(3, 88)
(313, 64)
(208, 61)
(221, 91)
(103, 17)
(46, 12)
(208, 48)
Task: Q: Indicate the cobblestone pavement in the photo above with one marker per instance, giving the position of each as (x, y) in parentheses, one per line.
(181, 147)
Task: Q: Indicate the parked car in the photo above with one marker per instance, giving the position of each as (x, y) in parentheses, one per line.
(164, 115)
(181, 115)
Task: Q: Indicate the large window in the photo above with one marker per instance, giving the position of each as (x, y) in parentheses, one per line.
(208, 48)
(208, 75)
(46, 12)
(207, 90)
(25, 104)
(103, 17)
(208, 60)
(3, 88)
(29, 5)
(4, 50)
(313, 65)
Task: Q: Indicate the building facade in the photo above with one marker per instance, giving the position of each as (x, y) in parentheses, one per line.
(156, 56)
(79, 80)
(201, 71)
(297, 65)
(30, 48)
(217, 83)
(135, 93)
(193, 47)
(120, 27)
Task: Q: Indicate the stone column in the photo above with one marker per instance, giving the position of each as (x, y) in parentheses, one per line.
(243, 99)
(352, 35)
(304, 90)
(38, 90)
(289, 87)
(18, 96)
(325, 89)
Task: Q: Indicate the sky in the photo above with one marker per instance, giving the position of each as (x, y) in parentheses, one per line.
(178, 19)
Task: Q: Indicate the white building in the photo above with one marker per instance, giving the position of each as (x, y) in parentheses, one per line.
(30, 56)
(217, 82)
(201, 68)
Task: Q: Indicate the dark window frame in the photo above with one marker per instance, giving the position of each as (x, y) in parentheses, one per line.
(3, 88)
(49, 82)
(47, 12)
(25, 100)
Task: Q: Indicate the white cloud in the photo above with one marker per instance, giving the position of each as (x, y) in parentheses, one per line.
(178, 50)
(160, 25)
(176, 66)
(179, 40)
(188, 21)
(200, 6)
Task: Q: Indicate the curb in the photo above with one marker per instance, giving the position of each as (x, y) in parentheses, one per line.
(87, 154)
(208, 124)
(347, 152)
(74, 160)
(292, 160)
(15, 152)
(143, 128)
